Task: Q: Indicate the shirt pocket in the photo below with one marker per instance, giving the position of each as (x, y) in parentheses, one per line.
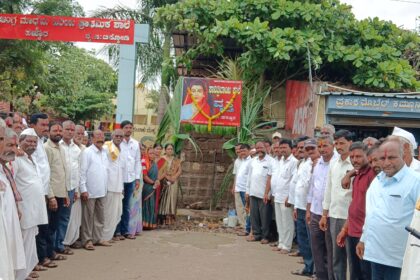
(395, 206)
(264, 171)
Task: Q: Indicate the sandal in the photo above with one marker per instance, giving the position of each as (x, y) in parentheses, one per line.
(66, 251)
(252, 239)
(48, 263)
(89, 246)
(301, 273)
(33, 274)
(58, 257)
(76, 245)
(103, 243)
(294, 254)
(130, 236)
(39, 268)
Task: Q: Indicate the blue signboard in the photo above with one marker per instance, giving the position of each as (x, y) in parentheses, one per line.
(386, 107)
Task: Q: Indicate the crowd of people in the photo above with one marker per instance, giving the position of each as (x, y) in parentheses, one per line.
(59, 193)
(345, 203)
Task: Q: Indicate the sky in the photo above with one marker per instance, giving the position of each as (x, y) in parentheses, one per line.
(402, 12)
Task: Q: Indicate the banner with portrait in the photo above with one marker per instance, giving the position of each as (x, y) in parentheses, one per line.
(211, 102)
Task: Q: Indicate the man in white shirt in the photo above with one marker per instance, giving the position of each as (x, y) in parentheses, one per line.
(337, 201)
(115, 184)
(239, 187)
(45, 247)
(258, 192)
(280, 183)
(301, 157)
(411, 263)
(390, 201)
(11, 213)
(321, 242)
(72, 161)
(130, 151)
(32, 206)
(6, 264)
(93, 188)
(301, 196)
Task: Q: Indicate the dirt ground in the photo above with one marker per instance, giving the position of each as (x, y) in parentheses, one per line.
(168, 254)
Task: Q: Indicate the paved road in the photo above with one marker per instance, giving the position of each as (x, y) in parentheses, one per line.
(174, 255)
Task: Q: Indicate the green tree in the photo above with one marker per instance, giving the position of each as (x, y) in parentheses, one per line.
(281, 40)
(23, 64)
(80, 86)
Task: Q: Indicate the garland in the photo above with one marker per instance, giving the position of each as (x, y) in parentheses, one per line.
(211, 118)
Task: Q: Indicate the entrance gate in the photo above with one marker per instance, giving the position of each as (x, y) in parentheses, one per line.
(95, 30)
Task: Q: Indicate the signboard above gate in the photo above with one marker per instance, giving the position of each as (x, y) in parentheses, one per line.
(67, 29)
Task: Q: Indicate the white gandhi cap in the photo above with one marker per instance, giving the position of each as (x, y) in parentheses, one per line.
(405, 134)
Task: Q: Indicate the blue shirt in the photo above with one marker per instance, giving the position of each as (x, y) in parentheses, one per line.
(390, 204)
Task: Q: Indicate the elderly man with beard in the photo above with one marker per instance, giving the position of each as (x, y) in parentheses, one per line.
(390, 203)
(258, 193)
(321, 242)
(6, 265)
(58, 199)
(115, 169)
(34, 210)
(352, 229)
(337, 200)
(78, 136)
(10, 211)
(93, 188)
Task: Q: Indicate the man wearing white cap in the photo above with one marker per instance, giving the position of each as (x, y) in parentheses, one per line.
(411, 263)
(34, 210)
(409, 144)
(276, 138)
(39, 122)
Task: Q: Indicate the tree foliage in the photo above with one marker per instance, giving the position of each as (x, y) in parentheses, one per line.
(23, 64)
(282, 39)
(80, 86)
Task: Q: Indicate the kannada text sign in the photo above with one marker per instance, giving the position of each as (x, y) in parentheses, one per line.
(67, 29)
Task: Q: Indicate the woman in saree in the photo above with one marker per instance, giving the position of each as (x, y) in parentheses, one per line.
(161, 164)
(151, 183)
(169, 186)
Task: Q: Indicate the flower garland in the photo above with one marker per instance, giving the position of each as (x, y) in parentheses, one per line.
(211, 118)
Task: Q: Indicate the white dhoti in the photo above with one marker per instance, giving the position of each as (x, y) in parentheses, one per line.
(29, 244)
(12, 228)
(411, 263)
(75, 221)
(6, 265)
(112, 212)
